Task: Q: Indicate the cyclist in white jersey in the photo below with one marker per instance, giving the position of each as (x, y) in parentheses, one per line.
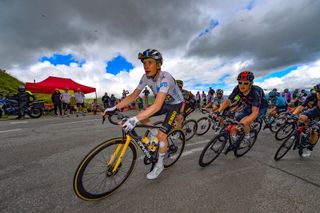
(168, 101)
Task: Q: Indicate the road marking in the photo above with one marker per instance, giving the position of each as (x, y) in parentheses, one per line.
(18, 122)
(191, 151)
(200, 142)
(74, 122)
(10, 130)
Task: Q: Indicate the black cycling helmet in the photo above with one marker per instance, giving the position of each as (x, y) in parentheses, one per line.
(179, 83)
(317, 88)
(245, 76)
(21, 88)
(219, 91)
(151, 53)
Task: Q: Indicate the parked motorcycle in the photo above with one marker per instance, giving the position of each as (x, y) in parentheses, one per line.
(10, 107)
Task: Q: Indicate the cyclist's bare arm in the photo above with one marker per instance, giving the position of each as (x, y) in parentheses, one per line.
(129, 99)
(298, 110)
(182, 107)
(208, 105)
(153, 108)
(250, 118)
(224, 105)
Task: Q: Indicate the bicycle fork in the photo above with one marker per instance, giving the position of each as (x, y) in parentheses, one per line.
(116, 152)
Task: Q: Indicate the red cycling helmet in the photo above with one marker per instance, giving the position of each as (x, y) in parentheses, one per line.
(245, 76)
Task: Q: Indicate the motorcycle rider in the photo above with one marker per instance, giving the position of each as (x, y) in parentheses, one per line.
(23, 99)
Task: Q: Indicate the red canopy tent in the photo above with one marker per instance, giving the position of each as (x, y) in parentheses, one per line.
(51, 83)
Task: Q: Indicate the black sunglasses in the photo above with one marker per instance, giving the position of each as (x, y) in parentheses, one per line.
(243, 83)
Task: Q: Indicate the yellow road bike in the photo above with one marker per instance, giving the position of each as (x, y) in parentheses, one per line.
(107, 166)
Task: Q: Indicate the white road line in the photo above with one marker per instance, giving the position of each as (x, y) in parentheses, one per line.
(196, 143)
(74, 122)
(191, 151)
(10, 130)
(18, 122)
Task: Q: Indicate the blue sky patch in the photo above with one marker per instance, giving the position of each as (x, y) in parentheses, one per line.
(277, 74)
(117, 64)
(250, 4)
(59, 59)
(213, 24)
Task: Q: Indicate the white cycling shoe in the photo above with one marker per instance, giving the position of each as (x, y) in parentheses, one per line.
(306, 153)
(155, 172)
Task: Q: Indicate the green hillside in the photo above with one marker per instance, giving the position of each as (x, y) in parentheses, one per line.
(8, 84)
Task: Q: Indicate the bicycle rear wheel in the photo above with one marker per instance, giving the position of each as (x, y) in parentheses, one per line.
(243, 146)
(176, 142)
(277, 123)
(285, 131)
(256, 125)
(190, 128)
(204, 125)
(285, 147)
(94, 179)
(213, 149)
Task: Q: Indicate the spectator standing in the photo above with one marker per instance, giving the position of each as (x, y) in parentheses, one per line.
(95, 106)
(106, 101)
(124, 93)
(113, 100)
(56, 100)
(139, 103)
(303, 95)
(79, 96)
(204, 98)
(146, 96)
(287, 95)
(66, 97)
(198, 98)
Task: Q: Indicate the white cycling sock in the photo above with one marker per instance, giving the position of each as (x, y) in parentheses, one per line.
(247, 135)
(160, 160)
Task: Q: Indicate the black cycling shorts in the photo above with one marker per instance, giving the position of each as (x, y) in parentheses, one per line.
(171, 111)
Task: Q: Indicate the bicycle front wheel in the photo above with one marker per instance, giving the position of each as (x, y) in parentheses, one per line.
(285, 147)
(176, 142)
(243, 145)
(212, 150)
(204, 125)
(285, 131)
(94, 179)
(190, 128)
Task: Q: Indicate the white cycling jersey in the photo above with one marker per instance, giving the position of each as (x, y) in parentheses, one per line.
(165, 84)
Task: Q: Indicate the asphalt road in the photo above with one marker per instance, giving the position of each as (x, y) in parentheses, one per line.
(38, 158)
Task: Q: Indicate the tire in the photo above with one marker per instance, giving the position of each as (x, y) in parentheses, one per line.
(204, 125)
(213, 149)
(285, 131)
(256, 125)
(190, 128)
(176, 141)
(35, 112)
(277, 123)
(98, 155)
(285, 147)
(1, 113)
(241, 151)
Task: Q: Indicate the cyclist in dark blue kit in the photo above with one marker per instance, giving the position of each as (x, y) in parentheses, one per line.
(253, 99)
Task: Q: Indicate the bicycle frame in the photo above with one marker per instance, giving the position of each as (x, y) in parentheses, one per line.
(123, 148)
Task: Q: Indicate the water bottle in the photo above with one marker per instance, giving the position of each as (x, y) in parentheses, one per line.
(145, 140)
(153, 144)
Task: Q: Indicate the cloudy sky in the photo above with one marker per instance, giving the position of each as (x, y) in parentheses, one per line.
(204, 43)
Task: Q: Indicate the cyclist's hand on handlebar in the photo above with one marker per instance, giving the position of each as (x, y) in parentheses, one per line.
(130, 123)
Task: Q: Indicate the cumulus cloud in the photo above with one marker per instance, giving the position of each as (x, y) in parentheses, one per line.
(305, 76)
(267, 37)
